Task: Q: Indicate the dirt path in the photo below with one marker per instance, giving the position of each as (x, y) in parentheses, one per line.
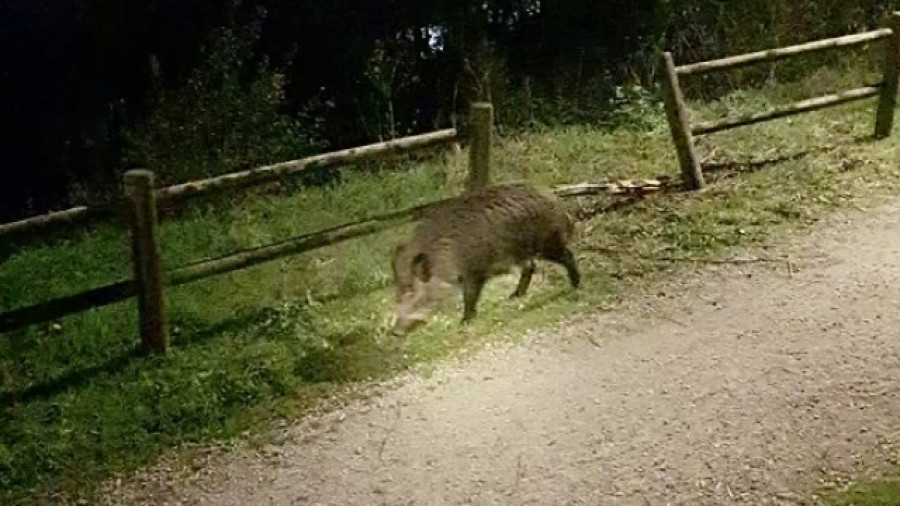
(739, 384)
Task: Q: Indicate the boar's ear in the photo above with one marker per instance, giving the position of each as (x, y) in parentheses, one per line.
(421, 267)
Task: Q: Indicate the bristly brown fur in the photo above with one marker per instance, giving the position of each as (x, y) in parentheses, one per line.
(477, 236)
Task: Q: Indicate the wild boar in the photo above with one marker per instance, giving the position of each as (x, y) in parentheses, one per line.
(472, 238)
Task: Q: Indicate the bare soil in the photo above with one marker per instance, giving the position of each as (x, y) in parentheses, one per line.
(739, 383)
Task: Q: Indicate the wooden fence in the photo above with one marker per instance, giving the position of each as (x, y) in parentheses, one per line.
(683, 132)
(141, 200)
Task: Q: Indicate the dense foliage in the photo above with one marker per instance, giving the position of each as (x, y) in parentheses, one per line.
(192, 87)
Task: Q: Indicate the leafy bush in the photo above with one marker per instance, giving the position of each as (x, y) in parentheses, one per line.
(227, 116)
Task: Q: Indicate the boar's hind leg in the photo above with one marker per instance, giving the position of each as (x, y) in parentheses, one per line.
(524, 279)
(472, 286)
(562, 255)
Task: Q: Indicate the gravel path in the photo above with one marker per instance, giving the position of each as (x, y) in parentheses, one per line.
(749, 383)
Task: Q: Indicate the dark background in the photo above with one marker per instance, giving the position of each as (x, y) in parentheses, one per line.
(78, 93)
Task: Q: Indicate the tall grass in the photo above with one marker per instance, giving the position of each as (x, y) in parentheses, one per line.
(269, 340)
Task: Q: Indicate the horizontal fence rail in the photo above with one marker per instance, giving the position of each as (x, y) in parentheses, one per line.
(61, 306)
(782, 53)
(271, 173)
(307, 242)
(76, 216)
(812, 104)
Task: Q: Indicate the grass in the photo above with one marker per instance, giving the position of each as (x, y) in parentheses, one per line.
(872, 493)
(269, 341)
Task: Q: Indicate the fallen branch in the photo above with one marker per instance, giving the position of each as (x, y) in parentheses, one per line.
(625, 186)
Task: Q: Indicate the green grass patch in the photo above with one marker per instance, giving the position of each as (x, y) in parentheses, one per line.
(872, 493)
(269, 341)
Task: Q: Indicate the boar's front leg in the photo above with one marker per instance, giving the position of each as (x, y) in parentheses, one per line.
(524, 279)
(472, 286)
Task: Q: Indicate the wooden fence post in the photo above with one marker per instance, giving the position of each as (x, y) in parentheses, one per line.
(884, 120)
(680, 126)
(140, 201)
(481, 119)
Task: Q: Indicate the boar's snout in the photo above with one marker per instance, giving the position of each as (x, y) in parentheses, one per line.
(401, 324)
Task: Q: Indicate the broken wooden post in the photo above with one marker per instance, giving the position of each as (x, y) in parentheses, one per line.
(679, 124)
